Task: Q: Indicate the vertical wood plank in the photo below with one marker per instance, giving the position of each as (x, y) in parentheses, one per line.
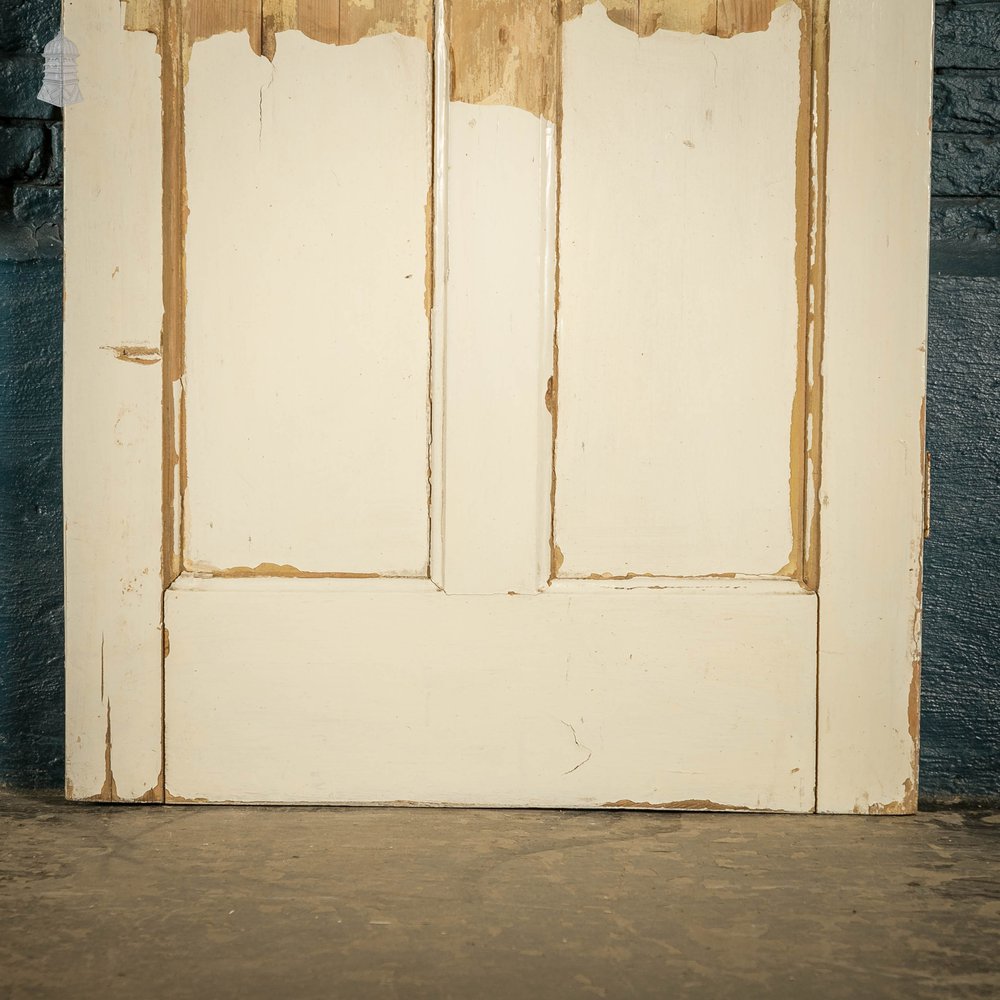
(205, 18)
(505, 52)
(364, 18)
(500, 296)
(873, 371)
(644, 17)
(737, 16)
(112, 411)
(695, 16)
(319, 19)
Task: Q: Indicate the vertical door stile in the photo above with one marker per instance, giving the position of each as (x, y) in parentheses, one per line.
(112, 407)
(499, 296)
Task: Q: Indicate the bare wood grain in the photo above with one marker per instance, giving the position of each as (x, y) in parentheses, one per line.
(505, 52)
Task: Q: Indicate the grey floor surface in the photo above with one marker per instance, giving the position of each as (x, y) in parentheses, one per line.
(154, 902)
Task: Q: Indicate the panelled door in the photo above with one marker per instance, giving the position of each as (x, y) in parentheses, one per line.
(484, 402)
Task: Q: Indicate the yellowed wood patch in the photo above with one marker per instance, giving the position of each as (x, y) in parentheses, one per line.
(694, 16)
(724, 18)
(272, 571)
(505, 52)
(735, 17)
(366, 18)
(344, 22)
(205, 18)
(333, 22)
(144, 15)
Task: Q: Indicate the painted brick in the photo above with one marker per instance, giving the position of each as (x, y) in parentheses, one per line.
(966, 165)
(965, 236)
(23, 153)
(973, 219)
(20, 80)
(967, 36)
(23, 242)
(31, 627)
(38, 205)
(960, 753)
(27, 25)
(967, 102)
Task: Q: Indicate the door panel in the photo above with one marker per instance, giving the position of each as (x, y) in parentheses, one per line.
(681, 431)
(398, 693)
(308, 331)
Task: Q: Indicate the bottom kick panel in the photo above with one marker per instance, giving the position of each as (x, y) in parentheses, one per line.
(634, 698)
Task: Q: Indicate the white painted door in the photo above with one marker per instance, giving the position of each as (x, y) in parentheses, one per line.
(512, 404)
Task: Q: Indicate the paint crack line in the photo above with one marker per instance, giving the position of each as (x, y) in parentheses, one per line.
(260, 105)
(590, 753)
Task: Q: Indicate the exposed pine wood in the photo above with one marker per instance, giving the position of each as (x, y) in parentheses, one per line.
(694, 16)
(724, 18)
(818, 132)
(738, 16)
(367, 18)
(319, 19)
(206, 18)
(643, 17)
(505, 52)
(144, 15)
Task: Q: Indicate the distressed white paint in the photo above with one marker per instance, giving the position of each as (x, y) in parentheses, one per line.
(678, 306)
(498, 350)
(874, 362)
(666, 691)
(305, 695)
(307, 337)
(112, 408)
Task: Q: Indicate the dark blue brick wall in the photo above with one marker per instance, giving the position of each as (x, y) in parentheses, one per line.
(960, 704)
(31, 627)
(961, 689)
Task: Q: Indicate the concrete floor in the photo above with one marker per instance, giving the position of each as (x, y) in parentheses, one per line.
(152, 902)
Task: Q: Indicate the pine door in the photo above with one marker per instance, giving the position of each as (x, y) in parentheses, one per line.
(496, 403)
